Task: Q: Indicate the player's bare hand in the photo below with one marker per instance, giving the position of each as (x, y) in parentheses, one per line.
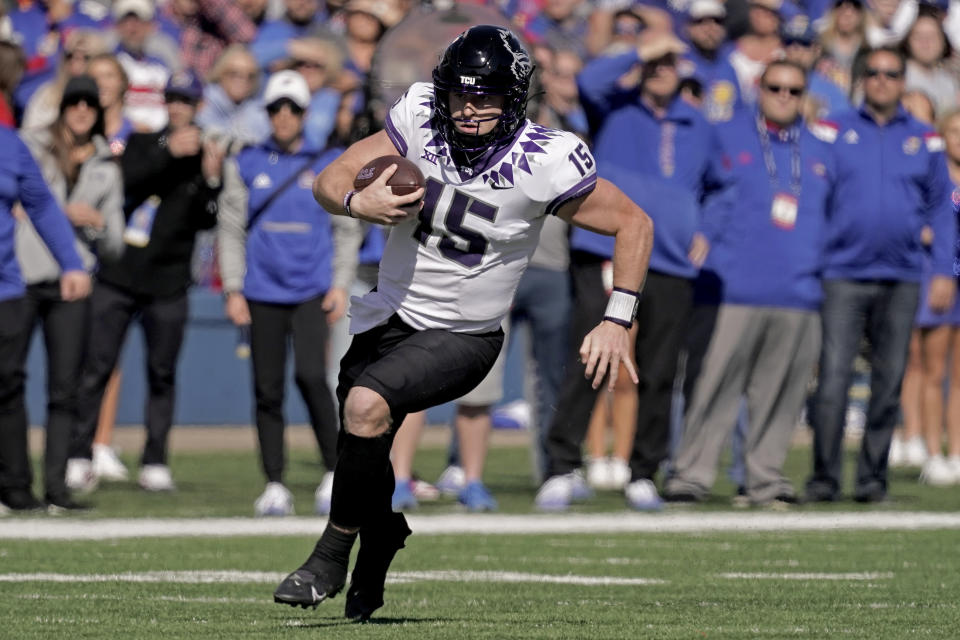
(376, 202)
(237, 309)
(604, 350)
(335, 304)
(75, 285)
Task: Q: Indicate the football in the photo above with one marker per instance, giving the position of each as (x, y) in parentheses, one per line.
(407, 178)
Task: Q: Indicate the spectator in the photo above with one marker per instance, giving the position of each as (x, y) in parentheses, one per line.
(822, 96)
(112, 81)
(287, 267)
(613, 28)
(893, 180)
(561, 108)
(889, 21)
(708, 56)
(668, 185)
(146, 74)
(558, 21)
(320, 62)
(206, 28)
(300, 20)
(758, 47)
(366, 22)
(27, 186)
(232, 110)
(926, 48)
(172, 181)
(78, 165)
(939, 344)
(841, 39)
(44, 106)
(12, 64)
(763, 273)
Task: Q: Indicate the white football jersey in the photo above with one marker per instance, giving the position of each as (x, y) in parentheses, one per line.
(457, 265)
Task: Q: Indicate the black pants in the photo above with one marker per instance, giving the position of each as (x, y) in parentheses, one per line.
(661, 319)
(163, 321)
(413, 371)
(273, 328)
(64, 333)
(15, 472)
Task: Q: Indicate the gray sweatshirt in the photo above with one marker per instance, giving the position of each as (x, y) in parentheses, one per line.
(99, 184)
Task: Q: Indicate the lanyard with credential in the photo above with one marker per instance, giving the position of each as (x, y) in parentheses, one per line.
(768, 159)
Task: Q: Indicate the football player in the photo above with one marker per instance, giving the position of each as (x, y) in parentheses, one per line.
(430, 331)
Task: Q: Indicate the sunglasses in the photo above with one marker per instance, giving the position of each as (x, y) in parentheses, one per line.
(890, 74)
(275, 107)
(74, 55)
(707, 19)
(87, 101)
(795, 92)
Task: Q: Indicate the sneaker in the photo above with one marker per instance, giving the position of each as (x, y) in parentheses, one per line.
(106, 464)
(937, 472)
(276, 500)
(954, 463)
(558, 492)
(80, 477)
(378, 546)
(740, 501)
(304, 588)
(323, 496)
(156, 477)
(403, 498)
(452, 481)
(642, 495)
(20, 500)
(914, 452)
(599, 474)
(61, 504)
(898, 454)
(475, 497)
(619, 473)
(423, 491)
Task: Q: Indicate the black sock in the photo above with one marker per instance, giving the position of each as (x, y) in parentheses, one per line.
(361, 478)
(333, 548)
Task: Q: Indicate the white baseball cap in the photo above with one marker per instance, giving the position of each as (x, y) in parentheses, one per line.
(287, 84)
(706, 9)
(143, 9)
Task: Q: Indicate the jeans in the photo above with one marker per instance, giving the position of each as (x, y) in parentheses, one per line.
(885, 310)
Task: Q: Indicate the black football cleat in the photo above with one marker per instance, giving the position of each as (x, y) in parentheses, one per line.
(304, 588)
(378, 546)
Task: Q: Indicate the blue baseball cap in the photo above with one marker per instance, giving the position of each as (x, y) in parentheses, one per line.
(799, 32)
(184, 83)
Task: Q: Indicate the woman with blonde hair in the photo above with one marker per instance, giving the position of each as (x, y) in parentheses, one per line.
(940, 345)
(232, 111)
(843, 37)
(44, 106)
(113, 83)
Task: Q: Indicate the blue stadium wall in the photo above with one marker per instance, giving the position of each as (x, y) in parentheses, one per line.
(213, 385)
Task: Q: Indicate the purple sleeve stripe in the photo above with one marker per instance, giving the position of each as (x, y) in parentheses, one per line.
(395, 136)
(582, 188)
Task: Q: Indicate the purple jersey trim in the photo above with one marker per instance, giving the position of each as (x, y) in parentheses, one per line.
(395, 137)
(582, 188)
(635, 294)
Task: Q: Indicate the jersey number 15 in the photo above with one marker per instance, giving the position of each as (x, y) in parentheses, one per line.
(458, 243)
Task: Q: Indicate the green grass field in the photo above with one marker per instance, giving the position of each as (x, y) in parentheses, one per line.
(784, 584)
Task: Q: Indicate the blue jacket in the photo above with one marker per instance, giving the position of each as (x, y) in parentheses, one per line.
(754, 259)
(892, 180)
(290, 246)
(21, 180)
(721, 88)
(664, 165)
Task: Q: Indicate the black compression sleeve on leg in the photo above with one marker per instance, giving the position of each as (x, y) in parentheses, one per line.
(359, 478)
(333, 547)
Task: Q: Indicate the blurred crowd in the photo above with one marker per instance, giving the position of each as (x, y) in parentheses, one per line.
(798, 158)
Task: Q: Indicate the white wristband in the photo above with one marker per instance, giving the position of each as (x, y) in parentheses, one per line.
(622, 307)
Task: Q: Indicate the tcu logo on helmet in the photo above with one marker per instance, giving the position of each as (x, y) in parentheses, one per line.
(468, 80)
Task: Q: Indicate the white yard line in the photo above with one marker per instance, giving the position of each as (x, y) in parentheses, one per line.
(264, 577)
(884, 575)
(41, 528)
